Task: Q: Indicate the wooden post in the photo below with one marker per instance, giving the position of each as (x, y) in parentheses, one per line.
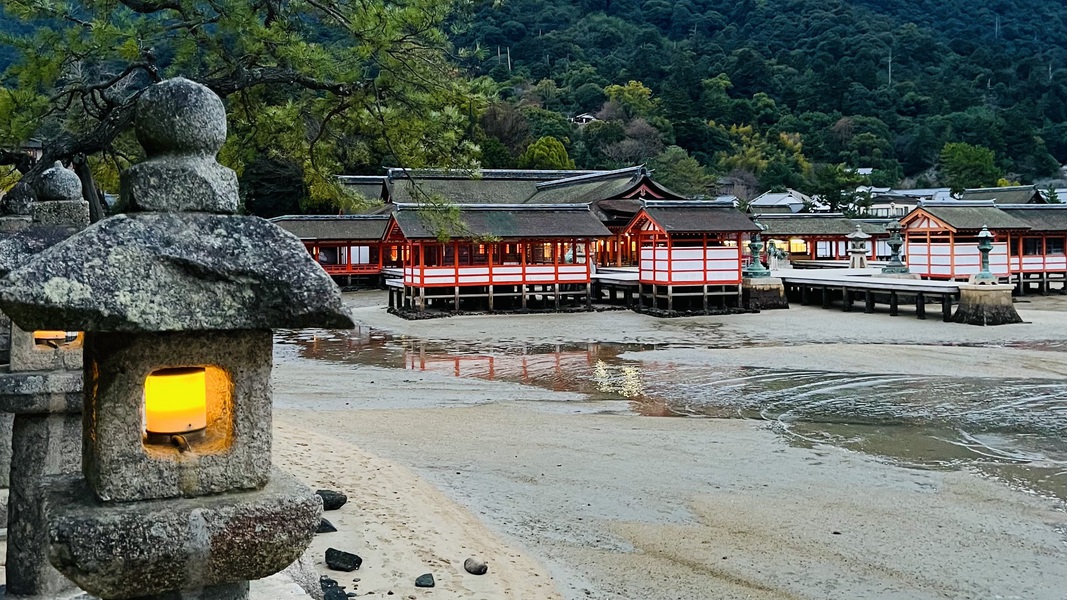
(589, 296)
(705, 297)
(804, 295)
(920, 305)
(868, 301)
(670, 298)
(946, 308)
(846, 300)
(893, 308)
(826, 296)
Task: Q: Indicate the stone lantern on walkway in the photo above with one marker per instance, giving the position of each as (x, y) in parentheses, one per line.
(895, 266)
(857, 248)
(177, 299)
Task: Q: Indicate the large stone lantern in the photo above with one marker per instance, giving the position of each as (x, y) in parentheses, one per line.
(177, 299)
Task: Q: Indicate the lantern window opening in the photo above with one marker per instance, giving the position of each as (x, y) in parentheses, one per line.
(187, 408)
(53, 339)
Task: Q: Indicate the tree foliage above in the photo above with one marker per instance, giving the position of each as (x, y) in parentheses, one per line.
(326, 85)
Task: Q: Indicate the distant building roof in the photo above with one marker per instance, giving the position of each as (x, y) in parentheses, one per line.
(371, 187)
(816, 224)
(1040, 217)
(506, 221)
(698, 216)
(1018, 194)
(482, 186)
(334, 227)
(968, 216)
(790, 198)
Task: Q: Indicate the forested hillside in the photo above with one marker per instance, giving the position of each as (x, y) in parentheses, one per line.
(770, 93)
(771, 89)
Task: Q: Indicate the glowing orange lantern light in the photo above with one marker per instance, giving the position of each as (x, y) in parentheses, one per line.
(176, 401)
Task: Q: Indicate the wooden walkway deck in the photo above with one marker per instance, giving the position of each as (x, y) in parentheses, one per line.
(869, 286)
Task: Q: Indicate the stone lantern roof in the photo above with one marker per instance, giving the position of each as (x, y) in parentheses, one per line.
(181, 261)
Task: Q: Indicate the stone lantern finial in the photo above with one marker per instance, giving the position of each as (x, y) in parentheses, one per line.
(182, 126)
(58, 183)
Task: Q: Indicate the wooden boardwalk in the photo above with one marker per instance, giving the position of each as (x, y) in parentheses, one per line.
(868, 286)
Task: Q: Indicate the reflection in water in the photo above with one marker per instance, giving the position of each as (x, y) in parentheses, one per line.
(1012, 429)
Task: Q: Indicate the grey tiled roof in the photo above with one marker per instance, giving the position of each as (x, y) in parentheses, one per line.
(334, 227)
(501, 221)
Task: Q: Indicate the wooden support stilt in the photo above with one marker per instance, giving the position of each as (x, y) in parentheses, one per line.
(825, 297)
(920, 305)
(893, 308)
(868, 302)
(946, 308)
(846, 300)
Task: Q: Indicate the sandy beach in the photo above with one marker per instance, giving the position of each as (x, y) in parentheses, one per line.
(577, 496)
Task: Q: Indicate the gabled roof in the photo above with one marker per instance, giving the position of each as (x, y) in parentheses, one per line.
(506, 221)
(1040, 217)
(371, 187)
(696, 216)
(967, 216)
(334, 227)
(1017, 194)
(632, 182)
(791, 198)
(826, 224)
(482, 186)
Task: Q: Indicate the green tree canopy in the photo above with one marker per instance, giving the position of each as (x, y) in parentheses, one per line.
(680, 172)
(321, 85)
(965, 166)
(546, 153)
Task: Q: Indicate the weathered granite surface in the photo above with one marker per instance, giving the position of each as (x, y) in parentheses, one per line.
(174, 272)
(763, 293)
(16, 249)
(57, 183)
(235, 452)
(986, 305)
(27, 355)
(181, 125)
(40, 392)
(130, 550)
(44, 444)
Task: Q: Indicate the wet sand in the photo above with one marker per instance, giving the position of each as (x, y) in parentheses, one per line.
(615, 505)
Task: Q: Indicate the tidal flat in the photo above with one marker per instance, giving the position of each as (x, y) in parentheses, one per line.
(803, 453)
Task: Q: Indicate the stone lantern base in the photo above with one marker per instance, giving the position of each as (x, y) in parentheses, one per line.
(763, 293)
(988, 304)
(208, 546)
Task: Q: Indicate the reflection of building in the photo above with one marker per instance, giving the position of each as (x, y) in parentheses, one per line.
(558, 366)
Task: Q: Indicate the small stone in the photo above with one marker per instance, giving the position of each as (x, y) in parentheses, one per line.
(475, 566)
(339, 560)
(424, 581)
(330, 589)
(325, 527)
(331, 500)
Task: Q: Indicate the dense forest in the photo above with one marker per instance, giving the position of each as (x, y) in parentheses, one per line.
(772, 89)
(767, 93)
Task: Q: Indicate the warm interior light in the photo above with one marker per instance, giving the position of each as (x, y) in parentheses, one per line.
(53, 339)
(176, 401)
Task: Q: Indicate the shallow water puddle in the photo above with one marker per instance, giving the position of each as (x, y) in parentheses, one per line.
(1010, 429)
